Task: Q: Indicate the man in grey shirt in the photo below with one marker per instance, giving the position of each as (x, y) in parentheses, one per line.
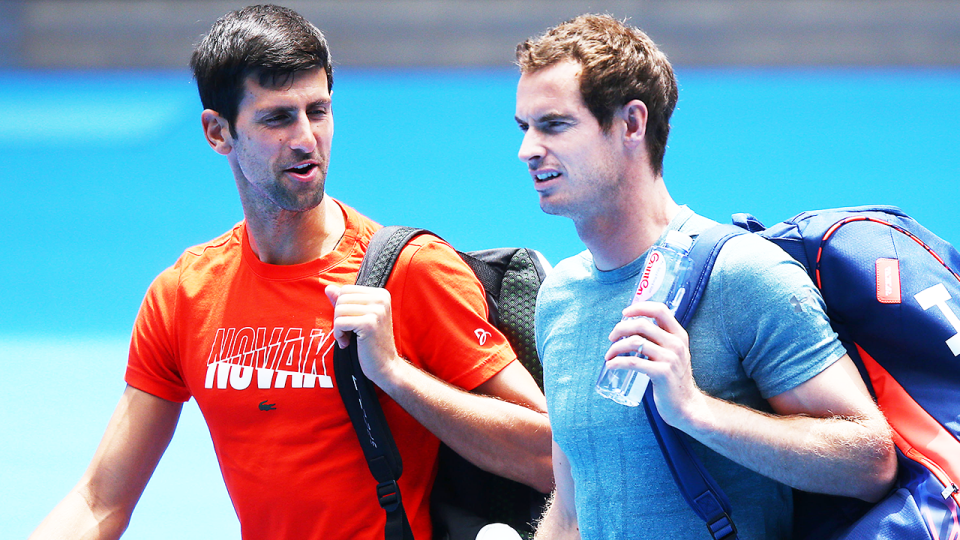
(760, 383)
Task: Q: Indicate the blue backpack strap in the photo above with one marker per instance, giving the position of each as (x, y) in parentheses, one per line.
(359, 395)
(701, 492)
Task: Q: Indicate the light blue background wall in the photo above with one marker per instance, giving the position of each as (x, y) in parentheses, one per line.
(106, 179)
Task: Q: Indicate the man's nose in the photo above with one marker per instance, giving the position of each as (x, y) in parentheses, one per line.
(303, 137)
(531, 149)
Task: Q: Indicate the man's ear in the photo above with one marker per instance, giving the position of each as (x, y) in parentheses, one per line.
(217, 131)
(634, 114)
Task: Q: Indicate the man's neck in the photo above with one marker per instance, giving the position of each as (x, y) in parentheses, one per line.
(285, 238)
(617, 238)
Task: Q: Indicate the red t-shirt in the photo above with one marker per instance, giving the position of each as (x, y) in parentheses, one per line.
(251, 342)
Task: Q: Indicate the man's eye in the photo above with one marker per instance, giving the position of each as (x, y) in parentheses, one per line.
(523, 127)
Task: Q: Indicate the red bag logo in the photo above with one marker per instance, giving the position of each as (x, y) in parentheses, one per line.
(888, 281)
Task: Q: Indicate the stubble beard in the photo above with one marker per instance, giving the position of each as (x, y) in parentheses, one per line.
(301, 200)
(281, 196)
(584, 210)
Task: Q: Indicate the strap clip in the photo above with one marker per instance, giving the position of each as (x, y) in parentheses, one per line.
(388, 494)
(722, 528)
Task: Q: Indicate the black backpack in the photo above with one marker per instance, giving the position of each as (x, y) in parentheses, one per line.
(465, 498)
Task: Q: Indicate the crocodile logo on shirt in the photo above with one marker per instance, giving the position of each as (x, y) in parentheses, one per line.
(264, 406)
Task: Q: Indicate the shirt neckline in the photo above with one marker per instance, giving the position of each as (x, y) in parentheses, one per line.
(634, 267)
(344, 248)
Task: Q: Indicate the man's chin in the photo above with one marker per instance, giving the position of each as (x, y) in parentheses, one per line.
(550, 207)
(301, 204)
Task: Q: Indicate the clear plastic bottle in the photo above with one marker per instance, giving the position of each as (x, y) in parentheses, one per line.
(663, 280)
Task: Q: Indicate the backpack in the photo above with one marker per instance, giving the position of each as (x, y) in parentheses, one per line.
(893, 296)
(464, 498)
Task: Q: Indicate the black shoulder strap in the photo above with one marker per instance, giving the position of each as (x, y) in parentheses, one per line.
(359, 394)
(701, 492)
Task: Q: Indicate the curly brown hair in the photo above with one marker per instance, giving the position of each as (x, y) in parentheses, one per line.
(619, 63)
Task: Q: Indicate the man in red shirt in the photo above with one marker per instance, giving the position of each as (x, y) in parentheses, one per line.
(246, 324)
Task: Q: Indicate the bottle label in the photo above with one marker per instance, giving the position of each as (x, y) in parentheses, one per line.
(652, 277)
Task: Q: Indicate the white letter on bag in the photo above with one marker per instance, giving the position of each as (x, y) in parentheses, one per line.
(938, 296)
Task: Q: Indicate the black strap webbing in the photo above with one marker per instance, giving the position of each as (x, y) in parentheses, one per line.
(359, 394)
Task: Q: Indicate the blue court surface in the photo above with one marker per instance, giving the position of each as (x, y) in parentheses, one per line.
(106, 179)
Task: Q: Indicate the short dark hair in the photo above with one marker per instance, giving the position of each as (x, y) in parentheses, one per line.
(619, 63)
(268, 42)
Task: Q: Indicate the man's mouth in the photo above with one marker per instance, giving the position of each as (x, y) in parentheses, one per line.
(544, 176)
(303, 169)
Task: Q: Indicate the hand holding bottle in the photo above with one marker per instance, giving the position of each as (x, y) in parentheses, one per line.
(663, 280)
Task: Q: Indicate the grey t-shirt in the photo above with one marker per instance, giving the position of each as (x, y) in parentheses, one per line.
(760, 330)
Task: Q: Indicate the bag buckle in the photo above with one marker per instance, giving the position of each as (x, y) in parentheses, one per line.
(722, 528)
(388, 494)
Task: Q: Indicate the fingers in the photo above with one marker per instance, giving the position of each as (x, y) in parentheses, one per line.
(653, 331)
(664, 343)
(654, 358)
(630, 345)
(662, 331)
(355, 307)
(657, 312)
(341, 336)
(357, 310)
(333, 292)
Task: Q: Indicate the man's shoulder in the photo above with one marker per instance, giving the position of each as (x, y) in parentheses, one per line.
(751, 255)
(740, 250)
(215, 245)
(691, 223)
(427, 253)
(428, 265)
(227, 245)
(198, 260)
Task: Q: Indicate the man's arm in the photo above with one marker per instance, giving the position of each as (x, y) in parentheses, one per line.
(828, 436)
(559, 521)
(100, 505)
(501, 427)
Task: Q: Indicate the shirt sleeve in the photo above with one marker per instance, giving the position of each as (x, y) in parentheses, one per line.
(440, 316)
(152, 362)
(774, 316)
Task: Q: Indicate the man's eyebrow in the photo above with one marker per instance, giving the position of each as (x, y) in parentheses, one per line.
(324, 102)
(546, 117)
(551, 116)
(274, 109)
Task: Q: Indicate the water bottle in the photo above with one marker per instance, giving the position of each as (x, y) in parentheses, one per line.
(662, 280)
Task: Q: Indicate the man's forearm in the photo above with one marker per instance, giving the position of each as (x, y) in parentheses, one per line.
(101, 504)
(846, 456)
(511, 438)
(505, 438)
(73, 517)
(827, 435)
